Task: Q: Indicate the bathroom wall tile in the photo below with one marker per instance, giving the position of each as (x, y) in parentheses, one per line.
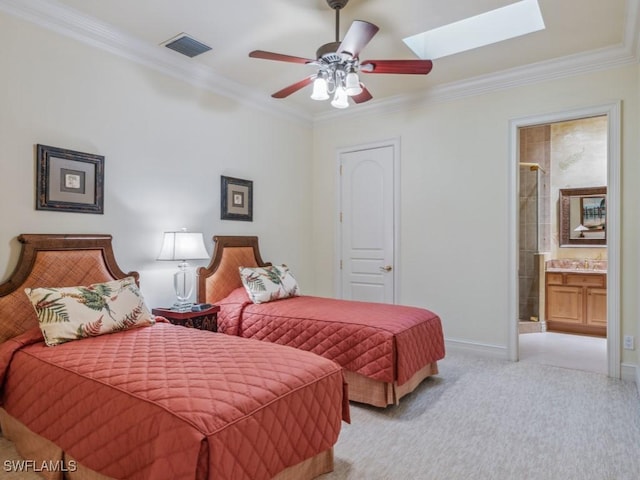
(544, 237)
(535, 152)
(536, 133)
(531, 237)
(544, 212)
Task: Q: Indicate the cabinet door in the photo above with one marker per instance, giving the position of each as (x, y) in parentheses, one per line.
(564, 304)
(597, 307)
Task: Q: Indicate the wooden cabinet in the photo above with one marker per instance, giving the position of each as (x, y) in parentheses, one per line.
(577, 302)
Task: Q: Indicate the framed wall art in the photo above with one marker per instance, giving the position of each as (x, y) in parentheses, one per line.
(236, 199)
(69, 181)
(583, 215)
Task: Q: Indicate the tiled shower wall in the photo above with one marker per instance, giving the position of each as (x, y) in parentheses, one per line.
(535, 223)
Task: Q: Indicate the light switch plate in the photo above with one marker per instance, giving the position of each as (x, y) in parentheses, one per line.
(628, 342)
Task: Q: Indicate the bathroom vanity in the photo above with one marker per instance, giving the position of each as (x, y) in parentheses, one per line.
(576, 299)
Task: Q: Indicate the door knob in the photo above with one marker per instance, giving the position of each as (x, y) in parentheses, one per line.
(386, 268)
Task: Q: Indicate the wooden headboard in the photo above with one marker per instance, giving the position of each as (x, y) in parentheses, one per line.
(53, 261)
(221, 277)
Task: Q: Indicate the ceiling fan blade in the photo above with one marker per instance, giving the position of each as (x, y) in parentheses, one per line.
(279, 57)
(362, 97)
(411, 67)
(357, 37)
(286, 91)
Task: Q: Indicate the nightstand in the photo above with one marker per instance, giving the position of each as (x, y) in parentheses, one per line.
(204, 320)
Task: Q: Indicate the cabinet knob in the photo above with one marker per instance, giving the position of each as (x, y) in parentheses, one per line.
(386, 268)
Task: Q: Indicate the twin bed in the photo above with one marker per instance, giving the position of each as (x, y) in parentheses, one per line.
(157, 401)
(167, 402)
(385, 350)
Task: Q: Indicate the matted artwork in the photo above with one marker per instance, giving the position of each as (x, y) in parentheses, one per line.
(594, 212)
(69, 181)
(236, 199)
(583, 216)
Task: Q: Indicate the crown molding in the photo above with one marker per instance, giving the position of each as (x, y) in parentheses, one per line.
(628, 53)
(564, 67)
(61, 19)
(54, 16)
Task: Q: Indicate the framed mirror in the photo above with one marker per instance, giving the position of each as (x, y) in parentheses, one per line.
(583, 214)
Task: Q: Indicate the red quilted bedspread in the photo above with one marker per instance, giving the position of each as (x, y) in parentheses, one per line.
(380, 341)
(167, 402)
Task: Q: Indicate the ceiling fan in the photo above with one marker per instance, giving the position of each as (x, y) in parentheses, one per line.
(338, 64)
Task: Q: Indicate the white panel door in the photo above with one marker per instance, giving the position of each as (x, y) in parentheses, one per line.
(367, 227)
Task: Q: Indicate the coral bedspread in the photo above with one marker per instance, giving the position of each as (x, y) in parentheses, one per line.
(383, 342)
(227, 402)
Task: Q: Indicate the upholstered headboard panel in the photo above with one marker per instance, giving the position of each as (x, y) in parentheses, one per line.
(221, 277)
(53, 261)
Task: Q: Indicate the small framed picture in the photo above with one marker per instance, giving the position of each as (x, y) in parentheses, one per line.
(69, 181)
(236, 199)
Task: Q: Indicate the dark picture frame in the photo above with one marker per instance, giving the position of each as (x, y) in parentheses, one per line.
(236, 199)
(582, 216)
(69, 181)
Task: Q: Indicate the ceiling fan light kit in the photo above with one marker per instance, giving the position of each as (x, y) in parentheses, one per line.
(320, 89)
(352, 84)
(338, 65)
(340, 98)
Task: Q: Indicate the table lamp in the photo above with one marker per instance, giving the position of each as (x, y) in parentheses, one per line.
(581, 229)
(182, 246)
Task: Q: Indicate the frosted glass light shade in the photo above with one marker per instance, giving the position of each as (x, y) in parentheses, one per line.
(340, 99)
(319, 89)
(352, 84)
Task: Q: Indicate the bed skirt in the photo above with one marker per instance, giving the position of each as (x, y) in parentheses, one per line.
(31, 446)
(380, 394)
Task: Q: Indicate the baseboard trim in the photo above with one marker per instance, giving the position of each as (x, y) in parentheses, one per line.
(628, 372)
(631, 373)
(485, 350)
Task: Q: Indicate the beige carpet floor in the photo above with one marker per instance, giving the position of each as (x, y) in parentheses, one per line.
(486, 419)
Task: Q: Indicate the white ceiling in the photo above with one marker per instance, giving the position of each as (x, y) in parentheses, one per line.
(574, 28)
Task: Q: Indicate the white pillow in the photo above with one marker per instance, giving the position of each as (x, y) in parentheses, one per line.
(71, 313)
(264, 284)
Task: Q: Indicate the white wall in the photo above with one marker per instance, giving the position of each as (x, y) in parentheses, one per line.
(165, 145)
(454, 193)
(578, 160)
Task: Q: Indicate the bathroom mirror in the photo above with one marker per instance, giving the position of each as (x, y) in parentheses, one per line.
(583, 216)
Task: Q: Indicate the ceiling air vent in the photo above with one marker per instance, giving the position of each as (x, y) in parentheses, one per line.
(186, 45)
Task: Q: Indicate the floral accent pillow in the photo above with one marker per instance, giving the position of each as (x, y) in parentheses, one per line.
(265, 284)
(72, 313)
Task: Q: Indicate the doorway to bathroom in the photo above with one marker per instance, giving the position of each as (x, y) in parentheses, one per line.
(565, 259)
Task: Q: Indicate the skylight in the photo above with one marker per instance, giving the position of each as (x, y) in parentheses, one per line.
(490, 27)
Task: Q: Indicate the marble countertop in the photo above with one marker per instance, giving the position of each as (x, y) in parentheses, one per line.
(575, 270)
(565, 265)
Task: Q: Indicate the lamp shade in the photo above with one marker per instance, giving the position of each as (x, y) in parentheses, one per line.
(340, 99)
(352, 84)
(183, 246)
(319, 89)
